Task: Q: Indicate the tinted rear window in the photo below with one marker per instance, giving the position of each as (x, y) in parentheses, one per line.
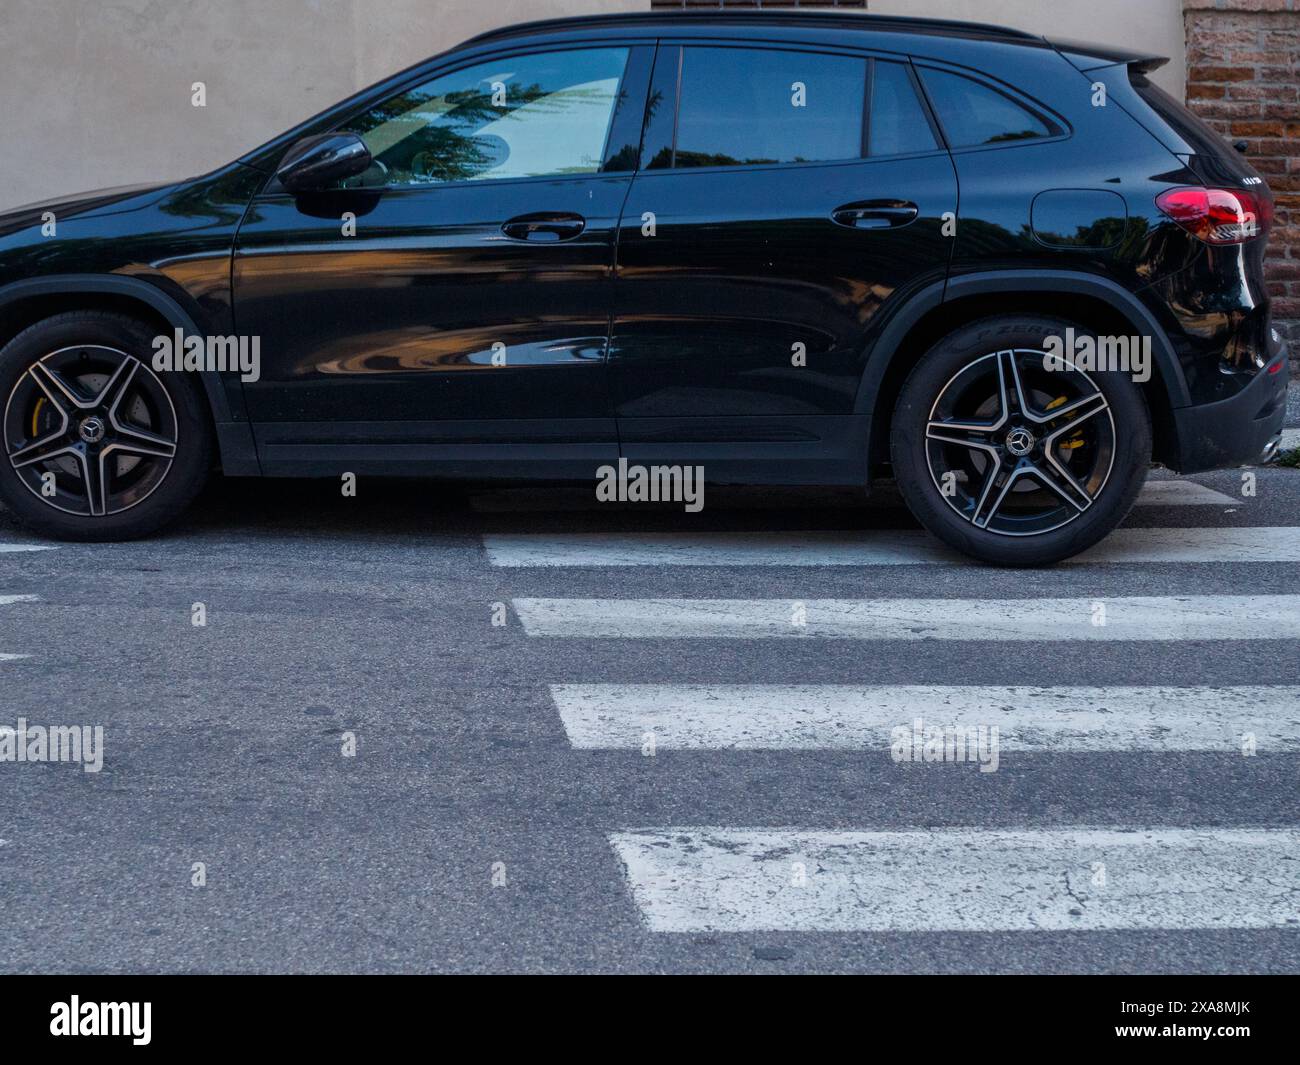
(972, 113)
(898, 122)
(1198, 136)
(744, 107)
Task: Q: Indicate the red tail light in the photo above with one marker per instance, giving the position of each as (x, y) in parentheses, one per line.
(1218, 216)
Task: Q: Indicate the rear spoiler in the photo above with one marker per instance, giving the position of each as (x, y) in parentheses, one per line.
(1087, 56)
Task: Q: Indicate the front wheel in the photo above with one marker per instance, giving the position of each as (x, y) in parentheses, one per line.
(97, 445)
(1011, 459)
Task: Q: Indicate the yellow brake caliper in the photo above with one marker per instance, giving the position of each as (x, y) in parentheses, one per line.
(1071, 442)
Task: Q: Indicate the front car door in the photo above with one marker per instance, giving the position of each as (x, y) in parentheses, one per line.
(452, 302)
(786, 195)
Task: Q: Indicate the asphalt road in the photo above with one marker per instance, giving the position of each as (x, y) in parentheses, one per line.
(489, 821)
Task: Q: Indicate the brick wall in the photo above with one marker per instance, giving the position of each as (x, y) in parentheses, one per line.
(1243, 77)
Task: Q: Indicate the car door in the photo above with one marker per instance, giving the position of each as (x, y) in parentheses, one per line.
(771, 221)
(454, 298)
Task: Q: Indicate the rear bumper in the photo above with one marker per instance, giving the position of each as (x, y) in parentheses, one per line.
(1236, 431)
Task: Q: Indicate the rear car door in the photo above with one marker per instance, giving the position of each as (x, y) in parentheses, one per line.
(455, 298)
(786, 195)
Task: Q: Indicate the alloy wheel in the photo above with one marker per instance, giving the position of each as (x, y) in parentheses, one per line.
(90, 430)
(1017, 449)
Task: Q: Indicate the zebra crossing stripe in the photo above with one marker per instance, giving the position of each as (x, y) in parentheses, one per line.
(1182, 494)
(867, 548)
(961, 880)
(1155, 493)
(1193, 617)
(811, 548)
(6, 600)
(848, 717)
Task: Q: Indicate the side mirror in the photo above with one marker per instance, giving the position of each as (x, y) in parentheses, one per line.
(321, 161)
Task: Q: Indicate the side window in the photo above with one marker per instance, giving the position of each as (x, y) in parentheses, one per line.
(973, 114)
(748, 106)
(524, 116)
(898, 123)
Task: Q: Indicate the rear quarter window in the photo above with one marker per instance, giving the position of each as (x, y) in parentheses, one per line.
(973, 114)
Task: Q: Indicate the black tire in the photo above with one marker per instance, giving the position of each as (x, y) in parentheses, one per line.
(938, 438)
(140, 492)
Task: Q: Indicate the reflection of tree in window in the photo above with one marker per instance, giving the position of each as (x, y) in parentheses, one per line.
(974, 114)
(447, 145)
(434, 134)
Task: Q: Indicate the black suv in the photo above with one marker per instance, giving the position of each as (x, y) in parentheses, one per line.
(787, 248)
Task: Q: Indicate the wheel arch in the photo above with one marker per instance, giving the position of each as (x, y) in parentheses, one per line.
(1096, 303)
(24, 303)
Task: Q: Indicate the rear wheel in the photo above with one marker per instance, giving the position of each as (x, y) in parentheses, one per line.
(97, 445)
(1013, 462)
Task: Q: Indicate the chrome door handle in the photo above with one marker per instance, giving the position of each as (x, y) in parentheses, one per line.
(875, 214)
(547, 227)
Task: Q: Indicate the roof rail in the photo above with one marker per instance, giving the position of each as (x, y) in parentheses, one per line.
(769, 16)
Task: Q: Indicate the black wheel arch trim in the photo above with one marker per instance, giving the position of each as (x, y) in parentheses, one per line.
(1074, 283)
(235, 443)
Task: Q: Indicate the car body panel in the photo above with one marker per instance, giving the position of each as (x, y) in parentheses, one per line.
(743, 309)
(165, 249)
(429, 314)
(686, 341)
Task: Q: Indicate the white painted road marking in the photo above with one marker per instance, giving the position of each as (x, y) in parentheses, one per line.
(1192, 617)
(1182, 494)
(966, 880)
(1258, 544)
(5, 600)
(1159, 493)
(8, 549)
(848, 717)
(867, 548)
(812, 548)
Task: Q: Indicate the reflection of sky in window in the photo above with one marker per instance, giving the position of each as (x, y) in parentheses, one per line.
(737, 102)
(570, 138)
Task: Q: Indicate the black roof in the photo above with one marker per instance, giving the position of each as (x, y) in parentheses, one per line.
(762, 17)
